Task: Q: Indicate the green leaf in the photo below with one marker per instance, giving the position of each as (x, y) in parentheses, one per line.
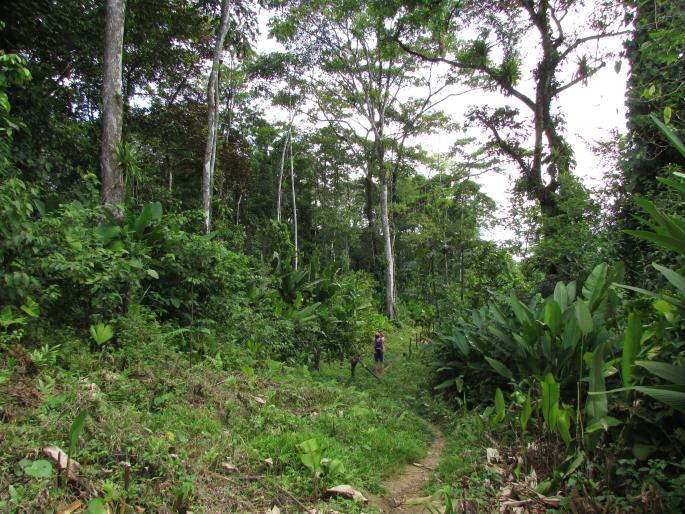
(550, 401)
(670, 243)
(671, 397)
(631, 348)
(500, 368)
(152, 273)
(499, 405)
(31, 308)
(667, 225)
(75, 430)
(101, 333)
(459, 341)
(564, 426)
(674, 374)
(522, 313)
(670, 135)
(645, 292)
(561, 296)
(594, 286)
(96, 506)
(335, 467)
(673, 277)
(571, 464)
(553, 317)
(571, 292)
(311, 460)
(643, 451)
(309, 446)
(597, 405)
(678, 185)
(444, 385)
(151, 212)
(583, 317)
(37, 468)
(526, 412)
(604, 423)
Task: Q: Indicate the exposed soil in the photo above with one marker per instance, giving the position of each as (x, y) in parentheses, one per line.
(411, 481)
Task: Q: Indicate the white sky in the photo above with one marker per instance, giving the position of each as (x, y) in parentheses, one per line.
(591, 112)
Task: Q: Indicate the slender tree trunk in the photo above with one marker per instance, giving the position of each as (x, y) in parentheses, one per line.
(237, 207)
(212, 118)
(292, 187)
(170, 175)
(368, 208)
(389, 257)
(279, 201)
(112, 190)
(280, 176)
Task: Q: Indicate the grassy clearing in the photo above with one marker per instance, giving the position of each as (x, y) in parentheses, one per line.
(177, 423)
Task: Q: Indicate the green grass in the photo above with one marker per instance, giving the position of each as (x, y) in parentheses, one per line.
(176, 423)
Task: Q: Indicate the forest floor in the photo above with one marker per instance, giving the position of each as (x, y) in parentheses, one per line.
(215, 434)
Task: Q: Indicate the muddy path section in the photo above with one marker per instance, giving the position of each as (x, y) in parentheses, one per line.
(411, 481)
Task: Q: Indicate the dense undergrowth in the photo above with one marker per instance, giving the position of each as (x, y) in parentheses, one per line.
(179, 424)
(587, 382)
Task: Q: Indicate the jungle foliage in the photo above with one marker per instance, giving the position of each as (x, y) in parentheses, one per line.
(273, 210)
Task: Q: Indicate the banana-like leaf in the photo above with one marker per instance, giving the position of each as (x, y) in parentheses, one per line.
(500, 368)
(500, 409)
(459, 341)
(675, 278)
(150, 212)
(553, 317)
(101, 333)
(595, 284)
(561, 296)
(571, 291)
(674, 374)
(521, 311)
(603, 423)
(670, 395)
(583, 317)
(75, 430)
(631, 348)
(675, 184)
(564, 426)
(670, 243)
(526, 412)
(550, 401)
(597, 405)
(672, 137)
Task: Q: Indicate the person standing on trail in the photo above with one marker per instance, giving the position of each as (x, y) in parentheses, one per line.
(378, 351)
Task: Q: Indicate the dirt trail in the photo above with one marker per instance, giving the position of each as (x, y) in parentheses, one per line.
(410, 483)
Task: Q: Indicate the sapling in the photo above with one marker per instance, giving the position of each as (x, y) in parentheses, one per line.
(311, 455)
(74, 432)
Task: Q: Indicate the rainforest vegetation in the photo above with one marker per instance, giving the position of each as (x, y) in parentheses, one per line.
(209, 207)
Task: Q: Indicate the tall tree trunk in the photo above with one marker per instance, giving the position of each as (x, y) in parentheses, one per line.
(291, 118)
(280, 176)
(239, 198)
(292, 187)
(112, 189)
(368, 211)
(387, 239)
(212, 118)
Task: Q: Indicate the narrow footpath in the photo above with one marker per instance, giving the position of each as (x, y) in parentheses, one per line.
(410, 483)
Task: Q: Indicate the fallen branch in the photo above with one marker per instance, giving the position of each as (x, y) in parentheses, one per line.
(369, 370)
(253, 478)
(290, 495)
